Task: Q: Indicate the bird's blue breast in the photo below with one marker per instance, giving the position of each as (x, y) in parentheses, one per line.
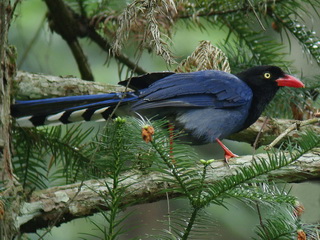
(207, 124)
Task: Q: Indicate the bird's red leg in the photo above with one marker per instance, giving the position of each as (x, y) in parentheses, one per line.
(227, 153)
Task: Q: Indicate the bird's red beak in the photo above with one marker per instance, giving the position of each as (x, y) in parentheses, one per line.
(289, 81)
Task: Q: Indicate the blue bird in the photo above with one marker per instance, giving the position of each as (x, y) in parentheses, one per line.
(208, 105)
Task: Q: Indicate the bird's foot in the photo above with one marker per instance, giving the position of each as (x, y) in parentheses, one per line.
(227, 153)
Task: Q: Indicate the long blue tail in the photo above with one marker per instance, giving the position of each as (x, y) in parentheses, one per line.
(63, 110)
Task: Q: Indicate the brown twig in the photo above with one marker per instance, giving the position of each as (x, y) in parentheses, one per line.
(256, 15)
(292, 127)
(261, 220)
(255, 144)
(81, 59)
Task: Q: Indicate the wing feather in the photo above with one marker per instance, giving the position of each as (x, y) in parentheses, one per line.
(198, 89)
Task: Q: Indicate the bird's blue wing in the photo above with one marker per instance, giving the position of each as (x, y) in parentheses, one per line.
(198, 89)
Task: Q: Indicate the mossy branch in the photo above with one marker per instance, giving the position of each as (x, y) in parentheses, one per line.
(45, 205)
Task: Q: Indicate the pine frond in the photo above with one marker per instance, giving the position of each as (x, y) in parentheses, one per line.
(277, 228)
(116, 152)
(69, 151)
(288, 103)
(39, 151)
(265, 193)
(29, 163)
(255, 45)
(308, 39)
(283, 222)
(309, 141)
(284, 226)
(205, 57)
(175, 225)
(150, 21)
(177, 166)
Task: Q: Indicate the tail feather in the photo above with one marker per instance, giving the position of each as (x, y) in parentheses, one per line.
(66, 110)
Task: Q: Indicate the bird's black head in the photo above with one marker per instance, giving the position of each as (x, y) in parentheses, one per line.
(268, 78)
(265, 82)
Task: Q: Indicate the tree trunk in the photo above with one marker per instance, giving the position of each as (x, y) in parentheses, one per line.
(8, 194)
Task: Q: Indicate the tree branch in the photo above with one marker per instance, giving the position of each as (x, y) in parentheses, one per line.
(81, 59)
(36, 86)
(295, 126)
(45, 206)
(63, 22)
(272, 129)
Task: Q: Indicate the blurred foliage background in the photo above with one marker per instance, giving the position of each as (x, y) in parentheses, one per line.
(42, 51)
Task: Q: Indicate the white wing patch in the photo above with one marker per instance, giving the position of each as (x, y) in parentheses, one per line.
(97, 115)
(76, 116)
(24, 122)
(54, 117)
(63, 118)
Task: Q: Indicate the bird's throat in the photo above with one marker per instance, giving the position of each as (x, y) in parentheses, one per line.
(260, 100)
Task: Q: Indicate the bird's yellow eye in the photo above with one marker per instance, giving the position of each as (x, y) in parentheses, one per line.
(267, 75)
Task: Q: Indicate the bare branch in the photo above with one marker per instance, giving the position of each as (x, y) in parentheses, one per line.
(272, 129)
(35, 86)
(63, 21)
(295, 126)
